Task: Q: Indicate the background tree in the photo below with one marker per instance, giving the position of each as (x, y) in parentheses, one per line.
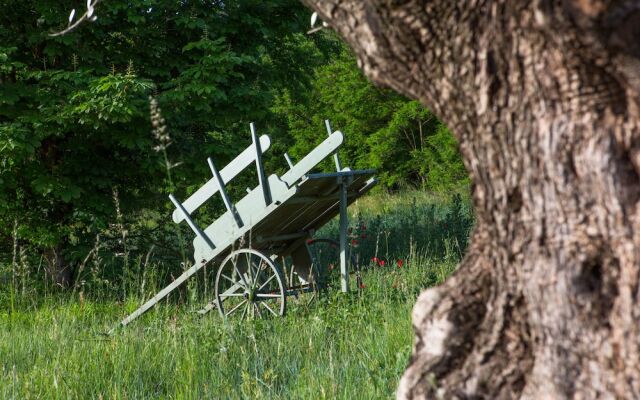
(74, 111)
(543, 98)
(78, 157)
(401, 138)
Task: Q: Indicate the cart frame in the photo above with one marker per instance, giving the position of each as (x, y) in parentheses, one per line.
(314, 198)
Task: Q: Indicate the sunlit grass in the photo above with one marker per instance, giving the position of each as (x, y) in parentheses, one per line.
(332, 345)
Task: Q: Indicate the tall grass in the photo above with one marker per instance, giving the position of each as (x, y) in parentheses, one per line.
(330, 345)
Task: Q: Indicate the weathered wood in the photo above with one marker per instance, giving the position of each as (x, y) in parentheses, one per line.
(263, 183)
(223, 192)
(288, 159)
(336, 157)
(194, 227)
(251, 218)
(344, 225)
(210, 188)
(312, 159)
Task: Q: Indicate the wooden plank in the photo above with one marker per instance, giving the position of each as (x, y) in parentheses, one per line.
(292, 216)
(280, 238)
(336, 157)
(227, 173)
(223, 191)
(328, 146)
(161, 294)
(195, 228)
(289, 162)
(262, 180)
(344, 225)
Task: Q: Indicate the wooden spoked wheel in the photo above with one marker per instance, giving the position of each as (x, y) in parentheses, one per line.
(249, 284)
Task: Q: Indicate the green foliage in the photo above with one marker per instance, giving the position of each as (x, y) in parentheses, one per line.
(75, 121)
(399, 137)
(74, 111)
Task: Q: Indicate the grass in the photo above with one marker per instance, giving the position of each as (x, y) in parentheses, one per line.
(352, 346)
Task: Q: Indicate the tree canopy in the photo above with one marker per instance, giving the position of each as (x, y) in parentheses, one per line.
(75, 126)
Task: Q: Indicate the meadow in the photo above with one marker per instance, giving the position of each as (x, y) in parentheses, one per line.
(329, 345)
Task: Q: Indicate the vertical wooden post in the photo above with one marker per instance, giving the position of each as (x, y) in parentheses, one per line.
(344, 226)
(223, 192)
(262, 180)
(190, 222)
(336, 158)
(286, 157)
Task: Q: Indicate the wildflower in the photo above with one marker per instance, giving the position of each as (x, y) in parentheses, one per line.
(400, 263)
(375, 259)
(354, 242)
(362, 285)
(381, 263)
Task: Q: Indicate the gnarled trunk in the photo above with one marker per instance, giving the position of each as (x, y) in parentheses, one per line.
(543, 98)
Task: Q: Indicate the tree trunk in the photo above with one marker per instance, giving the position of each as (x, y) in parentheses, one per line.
(61, 272)
(543, 98)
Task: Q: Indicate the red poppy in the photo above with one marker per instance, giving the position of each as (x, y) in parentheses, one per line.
(381, 263)
(354, 242)
(400, 263)
(375, 259)
(362, 286)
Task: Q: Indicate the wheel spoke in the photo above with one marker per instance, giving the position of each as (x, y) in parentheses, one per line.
(225, 295)
(268, 296)
(244, 282)
(249, 269)
(267, 282)
(258, 274)
(236, 307)
(269, 308)
(257, 308)
(227, 278)
(244, 312)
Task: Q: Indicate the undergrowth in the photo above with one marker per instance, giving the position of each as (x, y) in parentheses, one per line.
(329, 345)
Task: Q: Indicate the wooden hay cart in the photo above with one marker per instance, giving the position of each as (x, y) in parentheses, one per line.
(274, 220)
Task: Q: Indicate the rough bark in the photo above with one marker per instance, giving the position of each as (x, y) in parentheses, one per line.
(543, 98)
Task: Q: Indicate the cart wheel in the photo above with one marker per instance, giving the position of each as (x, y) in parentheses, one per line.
(249, 284)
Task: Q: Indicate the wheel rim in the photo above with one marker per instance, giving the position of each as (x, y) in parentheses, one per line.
(249, 284)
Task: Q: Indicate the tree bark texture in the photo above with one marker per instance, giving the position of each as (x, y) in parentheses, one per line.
(543, 98)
